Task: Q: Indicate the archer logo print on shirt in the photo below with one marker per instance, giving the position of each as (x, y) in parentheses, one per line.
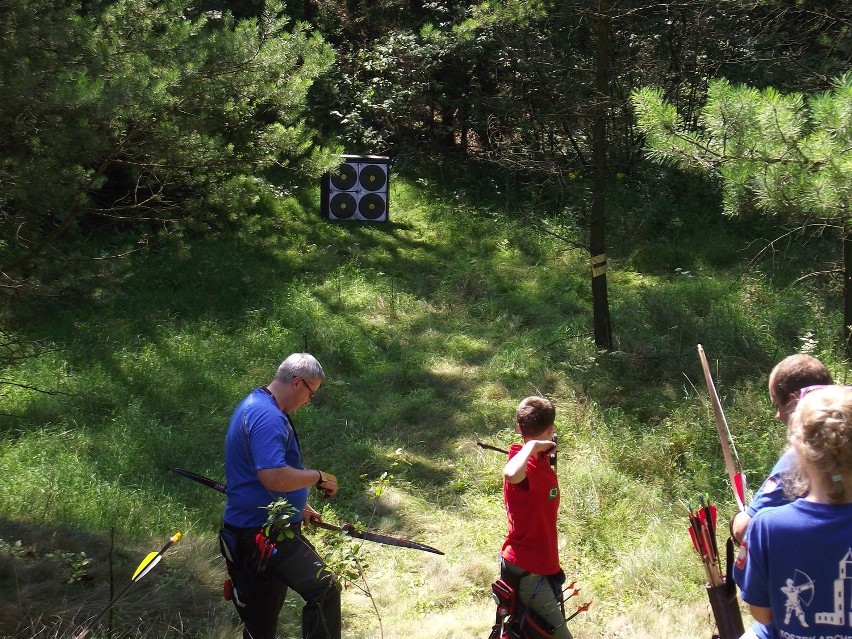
(797, 594)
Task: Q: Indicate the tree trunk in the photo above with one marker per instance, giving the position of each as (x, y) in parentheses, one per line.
(597, 224)
(847, 289)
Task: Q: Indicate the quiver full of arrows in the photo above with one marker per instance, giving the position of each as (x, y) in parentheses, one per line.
(724, 602)
(720, 586)
(726, 609)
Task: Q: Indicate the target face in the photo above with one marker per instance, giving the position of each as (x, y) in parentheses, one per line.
(373, 177)
(343, 206)
(357, 190)
(372, 206)
(345, 178)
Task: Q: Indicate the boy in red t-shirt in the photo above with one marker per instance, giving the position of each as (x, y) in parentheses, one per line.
(530, 555)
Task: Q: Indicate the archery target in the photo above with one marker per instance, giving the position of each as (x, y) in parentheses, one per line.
(373, 177)
(345, 177)
(372, 206)
(342, 206)
(357, 190)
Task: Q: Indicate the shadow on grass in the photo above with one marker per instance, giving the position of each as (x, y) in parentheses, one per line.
(54, 580)
(175, 340)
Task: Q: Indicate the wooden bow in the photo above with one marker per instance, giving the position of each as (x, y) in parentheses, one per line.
(729, 451)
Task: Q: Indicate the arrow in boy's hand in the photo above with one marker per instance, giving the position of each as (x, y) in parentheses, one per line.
(490, 447)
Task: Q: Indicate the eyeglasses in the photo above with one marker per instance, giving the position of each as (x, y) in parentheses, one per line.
(311, 392)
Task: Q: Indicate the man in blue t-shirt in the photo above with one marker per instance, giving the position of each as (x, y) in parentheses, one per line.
(787, 380)
(263, 462)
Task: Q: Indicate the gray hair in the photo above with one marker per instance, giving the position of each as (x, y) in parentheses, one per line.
(302, 365)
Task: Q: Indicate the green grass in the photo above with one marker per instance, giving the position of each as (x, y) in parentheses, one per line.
(430, 328)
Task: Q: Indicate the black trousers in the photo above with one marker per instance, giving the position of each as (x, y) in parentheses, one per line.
(262, 586)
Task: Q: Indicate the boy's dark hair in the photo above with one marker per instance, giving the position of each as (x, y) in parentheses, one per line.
(794, 373)
(535, 415)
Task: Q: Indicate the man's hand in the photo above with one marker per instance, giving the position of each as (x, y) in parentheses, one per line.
(327, 484)
(309, 515)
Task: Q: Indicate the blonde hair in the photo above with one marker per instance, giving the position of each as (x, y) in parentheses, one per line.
(821, 432)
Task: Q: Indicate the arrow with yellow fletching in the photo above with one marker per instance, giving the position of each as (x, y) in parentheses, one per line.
(143, 569)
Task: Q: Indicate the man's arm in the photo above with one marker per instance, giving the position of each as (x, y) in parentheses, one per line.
(287, 478)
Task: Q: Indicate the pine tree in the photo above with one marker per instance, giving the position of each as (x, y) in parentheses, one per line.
(787, 155)
(133, 116)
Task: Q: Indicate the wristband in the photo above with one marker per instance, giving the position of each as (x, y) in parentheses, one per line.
(319, 481)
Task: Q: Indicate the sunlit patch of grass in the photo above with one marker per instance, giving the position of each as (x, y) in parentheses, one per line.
(430, 329)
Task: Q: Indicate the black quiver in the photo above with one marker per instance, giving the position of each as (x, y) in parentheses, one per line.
(724, 603)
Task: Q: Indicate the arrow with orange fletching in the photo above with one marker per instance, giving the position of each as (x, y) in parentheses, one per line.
(581, 608)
